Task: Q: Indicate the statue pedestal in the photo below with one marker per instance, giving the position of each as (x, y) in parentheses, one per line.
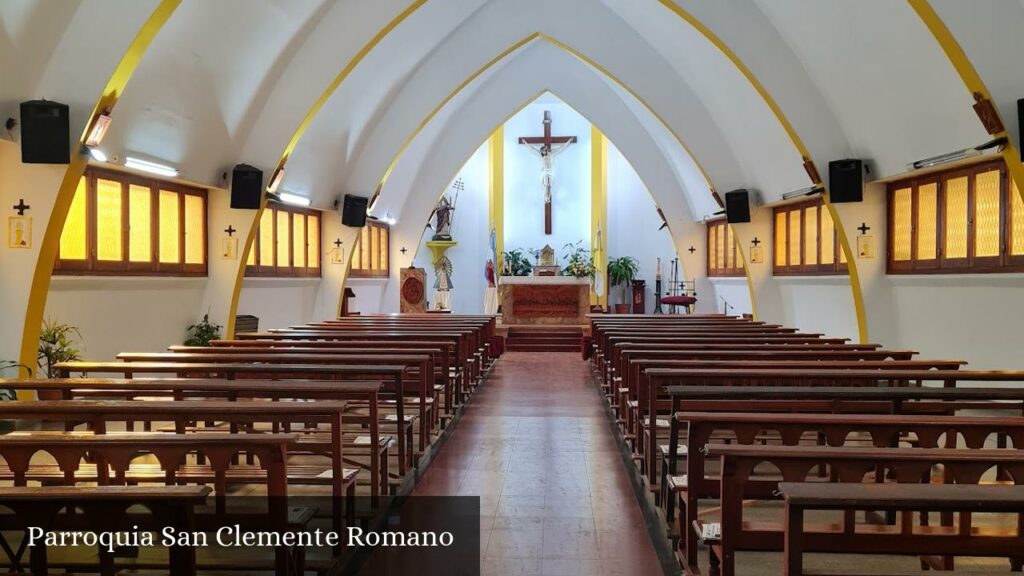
(442, 297)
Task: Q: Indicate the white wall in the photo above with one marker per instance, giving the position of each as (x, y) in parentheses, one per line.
(633, 224)
(524, 195)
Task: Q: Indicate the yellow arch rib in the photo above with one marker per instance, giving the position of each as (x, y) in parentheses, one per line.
(858, 297)
(76, 168)
(971, 79)
(300, 131)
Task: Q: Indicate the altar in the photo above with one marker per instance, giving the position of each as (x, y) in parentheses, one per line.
(544, 300)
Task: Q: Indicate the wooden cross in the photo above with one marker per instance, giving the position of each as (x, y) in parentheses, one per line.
(863, 228)
(692, 250)
(338, 243)
(21, 207)
(230, 230)
(403, 250)
(755, 241)
(543, 145)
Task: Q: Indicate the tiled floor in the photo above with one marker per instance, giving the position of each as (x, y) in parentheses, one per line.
(536, 447)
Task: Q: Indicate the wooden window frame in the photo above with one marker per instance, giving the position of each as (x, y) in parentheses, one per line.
(272, 270)
(91, 266)
(835, 268)
(721, 226)
(382, 270)
(1003, 263)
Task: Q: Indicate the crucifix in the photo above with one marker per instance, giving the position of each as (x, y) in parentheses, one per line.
(547, 147)
(21, 207)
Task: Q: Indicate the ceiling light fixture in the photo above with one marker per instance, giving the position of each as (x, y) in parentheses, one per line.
(98, 130)
(97, 154)
(151, 167)
(293, 199)
(957, 155)
(809, 191)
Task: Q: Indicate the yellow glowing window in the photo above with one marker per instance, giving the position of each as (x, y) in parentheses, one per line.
(780, 238)
(140, 223)
(730, 251)
(794, 238)
(364, 249)
(986, 213)
(299, 240)
(720, 249)
(195, 224)
(124, 224)
(1017, 217)
(251, 261)
(927, 221)
(267, 238)
(712, 247)
(170, 228)
(955, 245)
(73, 237)
(283, 237)
(384, 265)
(901, 223)
(313, 237)
(811, 235)
(374, 248)
(828, 238)
(108, 221)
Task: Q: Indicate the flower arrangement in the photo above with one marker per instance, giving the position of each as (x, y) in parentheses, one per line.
(579, 262)
(516, 263)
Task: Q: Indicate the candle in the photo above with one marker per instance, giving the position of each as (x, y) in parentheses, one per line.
(658, 276)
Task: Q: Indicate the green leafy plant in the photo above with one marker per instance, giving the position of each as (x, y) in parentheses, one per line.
(7, 393)
(201, 333)
(57, 344)
(516, 263)
(579, 262)
(622, 271)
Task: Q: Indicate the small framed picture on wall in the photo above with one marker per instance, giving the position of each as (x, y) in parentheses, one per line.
(19, 232)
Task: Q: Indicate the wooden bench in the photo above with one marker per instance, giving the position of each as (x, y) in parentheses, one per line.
(906, 537)
(391, 376)
(101, 508)
(848, 465)
(376, 450)
(117, 452)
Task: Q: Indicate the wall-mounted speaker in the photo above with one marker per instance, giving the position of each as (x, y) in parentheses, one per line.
(246, 187)
(846, 180)
(353, 211)
(737, 206)
(45, 133)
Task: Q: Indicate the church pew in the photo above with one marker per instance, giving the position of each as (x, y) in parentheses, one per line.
(662, 378)
(879, 430)
(796, 463)
(100, 508)
(241, 416)
(421, 366)
(367, 393)
(69, 450)
(439, 355)
(464, 361)
(473, 351)
(965, 539)
(644, 417)
(387, 373)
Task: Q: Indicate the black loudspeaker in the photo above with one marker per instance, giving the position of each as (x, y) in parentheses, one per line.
(737, 206)
(846, 181)
(353, 212)
(45, 133)
(246, 187)
(1020, 126)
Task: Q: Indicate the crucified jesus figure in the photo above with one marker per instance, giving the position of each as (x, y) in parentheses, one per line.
(547, 147)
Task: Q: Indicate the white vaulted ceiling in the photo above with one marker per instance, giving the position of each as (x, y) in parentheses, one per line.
(230, 81)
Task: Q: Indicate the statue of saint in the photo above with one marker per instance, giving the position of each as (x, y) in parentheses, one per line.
(443, 219)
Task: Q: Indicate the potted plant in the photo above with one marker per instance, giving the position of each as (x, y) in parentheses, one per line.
(579, 262)
(201, 333)
(56, 344)
(516, 263)
(621, 272)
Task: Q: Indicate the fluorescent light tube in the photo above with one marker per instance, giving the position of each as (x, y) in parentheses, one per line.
(151, 167)
(295, 199)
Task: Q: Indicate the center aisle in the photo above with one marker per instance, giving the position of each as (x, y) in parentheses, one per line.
(535, 445)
